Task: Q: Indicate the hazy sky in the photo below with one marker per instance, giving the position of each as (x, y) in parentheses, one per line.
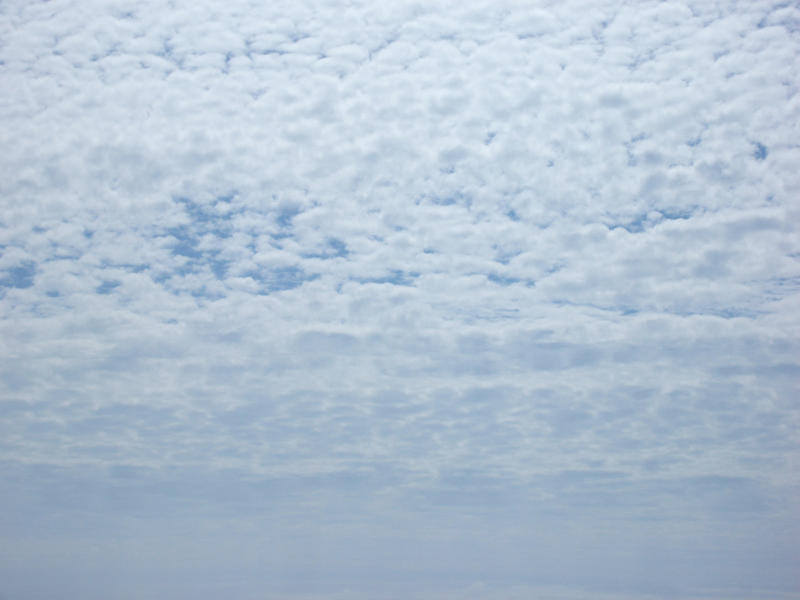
(394, 300)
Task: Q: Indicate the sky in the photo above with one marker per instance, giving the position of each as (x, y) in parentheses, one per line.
(399, 300)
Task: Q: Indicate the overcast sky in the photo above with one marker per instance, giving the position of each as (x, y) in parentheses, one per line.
(393, 300)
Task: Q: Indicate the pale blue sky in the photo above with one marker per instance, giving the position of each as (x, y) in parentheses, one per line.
(399, 300)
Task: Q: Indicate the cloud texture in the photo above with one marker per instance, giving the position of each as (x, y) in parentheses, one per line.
(470, 300)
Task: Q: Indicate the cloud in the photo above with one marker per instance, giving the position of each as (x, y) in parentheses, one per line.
(440, 293)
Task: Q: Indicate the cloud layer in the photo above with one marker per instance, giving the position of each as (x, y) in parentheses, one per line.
(459, 300)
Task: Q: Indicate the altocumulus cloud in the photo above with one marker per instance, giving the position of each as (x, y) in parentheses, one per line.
(433, 300)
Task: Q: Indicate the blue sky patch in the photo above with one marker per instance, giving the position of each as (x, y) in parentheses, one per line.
(20, 276)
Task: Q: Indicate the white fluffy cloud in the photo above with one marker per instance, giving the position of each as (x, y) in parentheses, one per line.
(452, 293)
